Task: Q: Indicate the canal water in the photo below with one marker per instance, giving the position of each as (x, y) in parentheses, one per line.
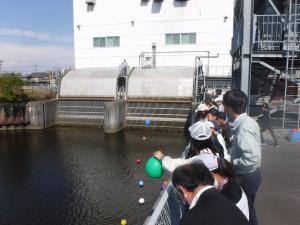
(80, 176)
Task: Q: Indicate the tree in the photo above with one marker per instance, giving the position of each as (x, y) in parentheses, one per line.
(11, 88)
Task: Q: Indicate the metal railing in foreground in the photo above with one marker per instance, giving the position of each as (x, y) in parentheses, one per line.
(168, 209)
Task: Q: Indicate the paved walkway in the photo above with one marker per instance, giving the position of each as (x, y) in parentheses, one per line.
(278, 200)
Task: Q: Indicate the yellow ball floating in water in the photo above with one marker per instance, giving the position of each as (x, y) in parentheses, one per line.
(123, 222)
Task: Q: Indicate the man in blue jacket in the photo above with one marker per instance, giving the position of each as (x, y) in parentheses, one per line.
(246, 149)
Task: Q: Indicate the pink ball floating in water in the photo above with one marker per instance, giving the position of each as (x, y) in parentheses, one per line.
(138, 161)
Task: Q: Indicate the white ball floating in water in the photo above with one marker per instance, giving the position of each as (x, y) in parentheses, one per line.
(144, 138)
(141, 183)
(141, 200)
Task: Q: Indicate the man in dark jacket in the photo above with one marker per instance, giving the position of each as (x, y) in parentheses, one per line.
(266, 124)
(207, 206)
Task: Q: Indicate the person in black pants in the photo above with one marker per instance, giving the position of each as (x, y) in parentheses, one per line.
(246, 147)
(266, 124)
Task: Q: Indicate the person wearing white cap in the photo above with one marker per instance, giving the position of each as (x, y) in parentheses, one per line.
(219, 103)
(194, 184)
(201, 112)
(226, 183)
(224, 179)
(201, 143)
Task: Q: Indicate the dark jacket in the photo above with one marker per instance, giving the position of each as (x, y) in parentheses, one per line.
(213, 208)
(265, 120)
(233, 191)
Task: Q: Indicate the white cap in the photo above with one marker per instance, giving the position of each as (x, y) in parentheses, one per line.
(219, 98)
(210, 124)
(209, 160)
(202, 107)
(200, 131)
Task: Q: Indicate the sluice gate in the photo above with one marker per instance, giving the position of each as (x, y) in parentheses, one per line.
(161, 96)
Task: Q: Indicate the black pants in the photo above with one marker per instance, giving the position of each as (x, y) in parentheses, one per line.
(250, 183)
(270, 129)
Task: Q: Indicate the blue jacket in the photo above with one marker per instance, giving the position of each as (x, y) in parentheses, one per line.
(246, 149)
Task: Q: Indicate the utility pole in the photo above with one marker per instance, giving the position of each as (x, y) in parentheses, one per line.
(1, 61)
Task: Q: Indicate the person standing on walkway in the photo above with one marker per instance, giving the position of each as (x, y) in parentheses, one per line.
(266, 124)
(246, 149)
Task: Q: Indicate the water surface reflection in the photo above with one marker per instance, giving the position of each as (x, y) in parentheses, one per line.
(78, 176)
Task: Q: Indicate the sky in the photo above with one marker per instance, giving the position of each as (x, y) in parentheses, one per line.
(36, 35)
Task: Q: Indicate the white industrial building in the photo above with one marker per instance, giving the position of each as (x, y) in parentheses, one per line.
(107, 32)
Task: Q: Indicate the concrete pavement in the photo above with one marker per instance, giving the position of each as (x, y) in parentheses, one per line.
(278, 200)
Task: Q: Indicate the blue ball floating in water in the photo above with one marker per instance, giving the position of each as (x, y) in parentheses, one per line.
(147, 122)
(141, 183)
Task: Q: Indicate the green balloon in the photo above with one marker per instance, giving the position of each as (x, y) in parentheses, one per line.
(154, 168)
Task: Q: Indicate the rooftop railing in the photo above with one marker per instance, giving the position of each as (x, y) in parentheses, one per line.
(271, 33)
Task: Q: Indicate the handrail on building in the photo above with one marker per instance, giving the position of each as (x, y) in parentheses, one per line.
(271, 32)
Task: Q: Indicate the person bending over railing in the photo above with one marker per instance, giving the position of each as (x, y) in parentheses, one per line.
(194, 183)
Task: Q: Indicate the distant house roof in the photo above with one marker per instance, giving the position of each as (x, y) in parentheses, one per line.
(36, 75)
(39, 75)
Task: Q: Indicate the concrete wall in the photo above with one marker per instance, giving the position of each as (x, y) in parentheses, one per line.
(89, 83)
(139, 24)
(114, 116)
(174, 82)
(41, 114)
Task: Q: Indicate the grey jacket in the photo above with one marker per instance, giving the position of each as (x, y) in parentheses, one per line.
(246, 149)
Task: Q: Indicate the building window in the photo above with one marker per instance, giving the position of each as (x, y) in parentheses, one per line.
(96, 42)
(102, 42)
(106, 42)
(188, 38)
(183, 38)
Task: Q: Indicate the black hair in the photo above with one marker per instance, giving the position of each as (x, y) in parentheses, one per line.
(237, 100)
(214, 112)
(225, 169)
(222, 115)
(197, 146)
(201, 115)
(209, 102)
(218, 91)
(192, 175)
(265, 105)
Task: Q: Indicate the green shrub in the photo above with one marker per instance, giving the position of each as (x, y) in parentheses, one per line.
(11, 88)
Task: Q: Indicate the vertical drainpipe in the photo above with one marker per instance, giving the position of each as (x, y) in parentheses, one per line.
(251, 59)
(154, 55)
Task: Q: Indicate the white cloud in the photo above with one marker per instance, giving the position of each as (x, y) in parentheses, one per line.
(34, 35)
(22, 58)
